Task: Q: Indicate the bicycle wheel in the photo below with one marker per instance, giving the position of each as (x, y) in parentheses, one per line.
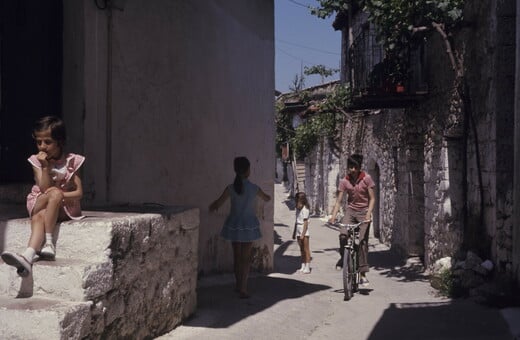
(355, 271)
(348, 275)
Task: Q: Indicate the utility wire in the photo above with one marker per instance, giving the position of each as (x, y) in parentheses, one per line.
(307, 47)
(295, 57)
(299, 4)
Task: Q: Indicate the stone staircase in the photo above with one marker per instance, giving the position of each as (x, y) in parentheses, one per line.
(299, 173)
(126, 273)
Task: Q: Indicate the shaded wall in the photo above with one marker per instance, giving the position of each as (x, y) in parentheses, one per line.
(490, 61)
(516, 198)
(164, 95)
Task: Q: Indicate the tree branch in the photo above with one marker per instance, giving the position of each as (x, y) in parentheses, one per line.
(449, 50)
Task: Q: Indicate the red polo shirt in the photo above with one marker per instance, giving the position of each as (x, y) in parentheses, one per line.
(357, 193)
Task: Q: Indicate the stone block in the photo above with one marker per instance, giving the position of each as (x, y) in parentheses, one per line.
(40, 318)
(116, 259)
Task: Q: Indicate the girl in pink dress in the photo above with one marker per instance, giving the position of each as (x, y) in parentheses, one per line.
(55, 196)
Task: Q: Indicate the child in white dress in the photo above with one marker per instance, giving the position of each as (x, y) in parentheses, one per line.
(301, 231)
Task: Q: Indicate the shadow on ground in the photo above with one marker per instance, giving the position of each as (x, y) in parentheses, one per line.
(391, 265)
(285, 264)
(220, 307)
(451, 320)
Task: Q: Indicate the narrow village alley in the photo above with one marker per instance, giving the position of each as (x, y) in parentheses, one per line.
(399, 303)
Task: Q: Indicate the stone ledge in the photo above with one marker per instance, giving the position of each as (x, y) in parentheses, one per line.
(138, 270)
(41, 318)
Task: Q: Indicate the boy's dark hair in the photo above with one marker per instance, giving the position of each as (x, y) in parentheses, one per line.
(355, 160)
(55, 124)
(301, 195)
(241, 166)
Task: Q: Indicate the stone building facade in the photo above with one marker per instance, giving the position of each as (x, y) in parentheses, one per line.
(444, 178)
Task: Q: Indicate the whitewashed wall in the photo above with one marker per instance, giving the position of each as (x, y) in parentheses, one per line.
(162, 98)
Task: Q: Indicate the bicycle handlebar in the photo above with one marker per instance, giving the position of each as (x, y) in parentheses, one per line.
(355, 225)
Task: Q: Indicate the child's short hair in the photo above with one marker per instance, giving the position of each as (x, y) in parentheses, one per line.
(301, 195)
(55, 124)
(355, 160)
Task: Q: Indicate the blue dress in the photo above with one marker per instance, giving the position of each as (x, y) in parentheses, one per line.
(242, 225)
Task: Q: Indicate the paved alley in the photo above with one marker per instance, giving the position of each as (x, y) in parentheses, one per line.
(399, 303)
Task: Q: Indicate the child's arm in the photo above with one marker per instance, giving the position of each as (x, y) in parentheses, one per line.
(216, 204)
(263, 195)
(42, 176)
(335, 210)
(77, 193)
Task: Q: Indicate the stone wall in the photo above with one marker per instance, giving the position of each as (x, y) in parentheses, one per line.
(377, 135)
(425, 170)
(321, 173)
(154, 280)
(490, 63)
(127, 273)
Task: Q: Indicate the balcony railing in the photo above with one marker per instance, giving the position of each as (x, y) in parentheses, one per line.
(378, 81)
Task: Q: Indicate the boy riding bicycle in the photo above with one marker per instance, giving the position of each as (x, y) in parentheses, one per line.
(361, 199)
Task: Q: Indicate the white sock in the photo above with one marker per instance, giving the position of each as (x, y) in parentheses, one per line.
(29, 254)
(302, 267)
(48, 237)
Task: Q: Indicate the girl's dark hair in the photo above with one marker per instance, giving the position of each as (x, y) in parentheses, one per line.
(241, 166)
(301, 196)
(55, 124)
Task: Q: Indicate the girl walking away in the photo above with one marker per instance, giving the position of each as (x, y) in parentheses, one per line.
(55, 196)
(301, 230)
(241, 226)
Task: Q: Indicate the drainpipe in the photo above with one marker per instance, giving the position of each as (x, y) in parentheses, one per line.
(108, 122)
(350, 39)
(516, 179)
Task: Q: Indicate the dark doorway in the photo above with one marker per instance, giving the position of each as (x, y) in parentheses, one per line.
(376, 215)
(30, 74)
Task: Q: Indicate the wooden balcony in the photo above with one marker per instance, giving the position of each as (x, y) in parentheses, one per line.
(379, 81)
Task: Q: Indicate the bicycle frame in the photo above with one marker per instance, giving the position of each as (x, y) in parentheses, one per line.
(351, 275)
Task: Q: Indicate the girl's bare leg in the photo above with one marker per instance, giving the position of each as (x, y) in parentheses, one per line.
(236, 264)
(306, 249)
(241, 265)
(37, 230)
(245, 264)
(50, 203)
(302, 249)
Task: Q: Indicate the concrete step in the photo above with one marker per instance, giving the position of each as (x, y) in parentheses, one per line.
(82, 270)
(43, 318)
(66, 279)
(89, 238)
(135, 267)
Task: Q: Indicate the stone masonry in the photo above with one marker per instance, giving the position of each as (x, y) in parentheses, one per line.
(122, 274)
(428, 158)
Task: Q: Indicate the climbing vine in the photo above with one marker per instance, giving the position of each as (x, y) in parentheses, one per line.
(398, 22)
(321, 120)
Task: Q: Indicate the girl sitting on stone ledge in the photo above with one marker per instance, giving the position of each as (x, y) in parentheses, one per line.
(55, 196)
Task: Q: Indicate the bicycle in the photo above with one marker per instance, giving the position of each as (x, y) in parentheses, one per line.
(350, 273)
